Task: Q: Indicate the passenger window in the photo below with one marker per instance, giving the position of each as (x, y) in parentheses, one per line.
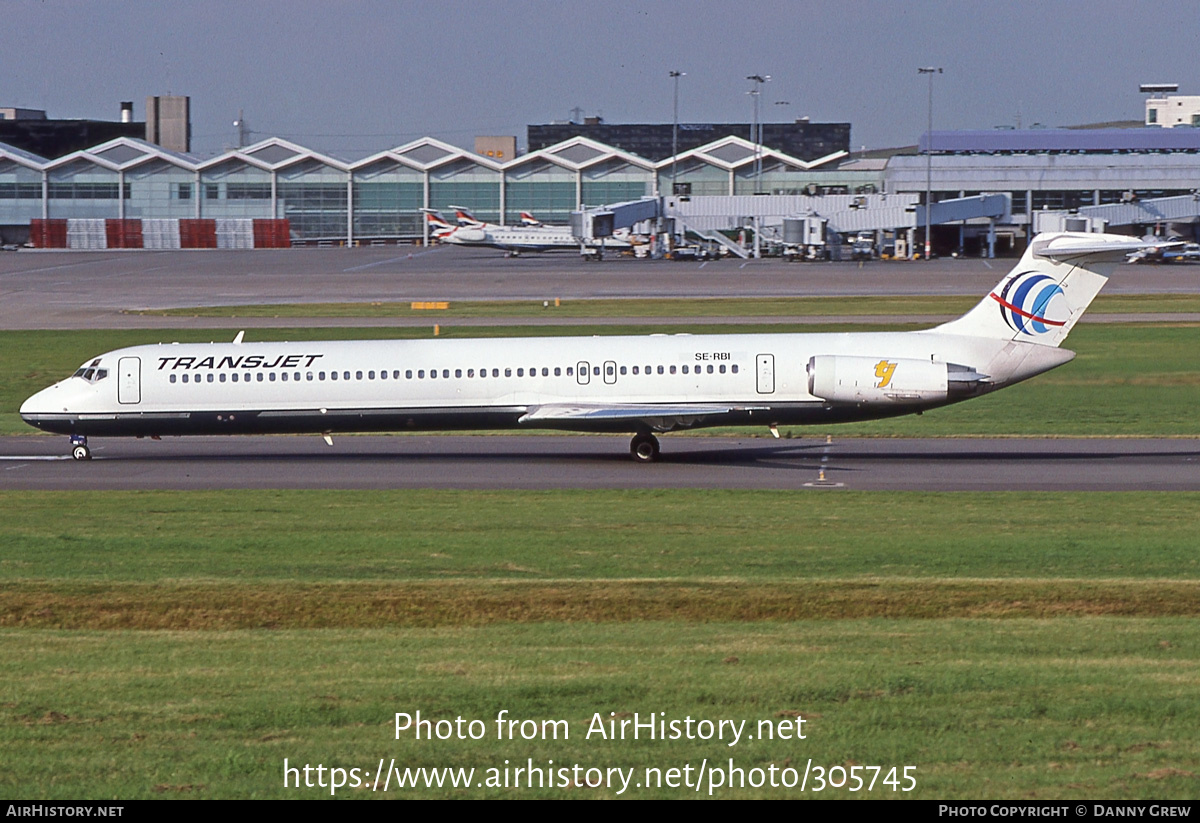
(234, 377)
(685, 370)
(222, 377)
(495, 372)
(172, 378)
(345, 375)
(370, 375)
(660, 369)
(545, 372)
(520, 372)
(282, 377)
(458, 372)
(271, 377)
(185, 377)
(596, 370)
(622, 370)
(445, 372)
(396, 374)
(710, 369)
(722, 368)
(408, 374)
(358, 375)
(433, 374)
(383, 374)
(260, 376)
(333, 375)
(558, 371)
(672, 370)
(733, 368)
(508, 372)
(308, 376)
(570, 371)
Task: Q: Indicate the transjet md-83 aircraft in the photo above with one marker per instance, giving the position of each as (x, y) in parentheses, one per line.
(640, 385)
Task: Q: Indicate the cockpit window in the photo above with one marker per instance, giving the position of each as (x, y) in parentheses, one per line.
(91, 373)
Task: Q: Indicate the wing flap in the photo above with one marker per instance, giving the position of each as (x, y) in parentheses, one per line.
(571, 412)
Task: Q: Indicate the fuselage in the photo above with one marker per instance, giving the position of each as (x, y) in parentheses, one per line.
(762, 379)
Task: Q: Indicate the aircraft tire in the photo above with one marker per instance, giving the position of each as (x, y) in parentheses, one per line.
(81, 452)
(644, 448)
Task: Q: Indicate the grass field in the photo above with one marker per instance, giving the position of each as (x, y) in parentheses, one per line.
(1006, 645)
(666, 307)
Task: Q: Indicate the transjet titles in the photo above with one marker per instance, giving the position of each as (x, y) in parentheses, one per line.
(249, 361)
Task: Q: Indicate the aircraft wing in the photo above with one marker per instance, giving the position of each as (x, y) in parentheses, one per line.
(655, 414)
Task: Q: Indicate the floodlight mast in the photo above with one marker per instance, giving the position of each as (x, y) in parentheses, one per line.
(931, 71)
(675, 75)
(756, 129)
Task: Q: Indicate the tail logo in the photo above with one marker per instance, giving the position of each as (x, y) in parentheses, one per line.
(1032, 303)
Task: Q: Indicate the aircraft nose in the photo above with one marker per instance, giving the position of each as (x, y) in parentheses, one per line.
(41, 403)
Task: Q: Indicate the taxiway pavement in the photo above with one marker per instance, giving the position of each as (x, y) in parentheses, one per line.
(593, 462)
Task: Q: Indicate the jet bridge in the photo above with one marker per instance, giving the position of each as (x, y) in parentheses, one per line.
(590, 226)
(1180, 209)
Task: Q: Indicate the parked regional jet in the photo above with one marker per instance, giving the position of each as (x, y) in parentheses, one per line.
(531, 235)
(641, 385)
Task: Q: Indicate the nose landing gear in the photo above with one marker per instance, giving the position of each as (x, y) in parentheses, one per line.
(79, 447)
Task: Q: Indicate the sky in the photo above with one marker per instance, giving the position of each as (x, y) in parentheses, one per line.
(356, 77)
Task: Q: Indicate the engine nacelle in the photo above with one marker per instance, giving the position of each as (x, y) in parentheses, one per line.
(848, 379)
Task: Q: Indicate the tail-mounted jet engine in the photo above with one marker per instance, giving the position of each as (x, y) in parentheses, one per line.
(858, 380)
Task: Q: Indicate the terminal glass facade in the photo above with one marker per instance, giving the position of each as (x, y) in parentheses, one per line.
(160, 189)
(615, 182)
(235, 189)
(84, 189)
(463, 183)
(313, 197)
(698, 178)
(545, 189)
(20, 193)
(388, 197)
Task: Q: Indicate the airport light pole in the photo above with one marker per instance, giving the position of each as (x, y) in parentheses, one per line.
(756, 129)
(675, 75)
(931, 71)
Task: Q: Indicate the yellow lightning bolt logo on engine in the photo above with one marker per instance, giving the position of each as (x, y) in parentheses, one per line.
(884, 371)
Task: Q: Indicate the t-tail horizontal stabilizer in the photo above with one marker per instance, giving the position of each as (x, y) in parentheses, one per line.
(1047, 292)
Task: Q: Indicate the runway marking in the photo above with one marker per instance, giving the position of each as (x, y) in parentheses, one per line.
(26, 458)
(986, 263)
(705, 263)
(408, 256)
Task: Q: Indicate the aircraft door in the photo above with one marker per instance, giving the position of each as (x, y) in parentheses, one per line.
(610, 372)
(765, 366)
(129, 380)
(583, 372)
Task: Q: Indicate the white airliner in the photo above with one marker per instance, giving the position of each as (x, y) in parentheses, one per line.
(640, 385)
(530, 235)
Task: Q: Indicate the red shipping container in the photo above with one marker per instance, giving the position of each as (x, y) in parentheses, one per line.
(48, 234)
(113, 234)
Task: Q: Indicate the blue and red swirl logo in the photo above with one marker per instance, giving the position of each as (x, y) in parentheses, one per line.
(1032, 303)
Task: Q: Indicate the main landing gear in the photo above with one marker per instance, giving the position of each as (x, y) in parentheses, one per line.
(644, 448)
(79, 447)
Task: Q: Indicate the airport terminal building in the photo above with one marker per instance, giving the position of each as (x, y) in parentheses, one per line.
(378, 199)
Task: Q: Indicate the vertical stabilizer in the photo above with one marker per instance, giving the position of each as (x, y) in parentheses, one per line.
(1046, 293)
